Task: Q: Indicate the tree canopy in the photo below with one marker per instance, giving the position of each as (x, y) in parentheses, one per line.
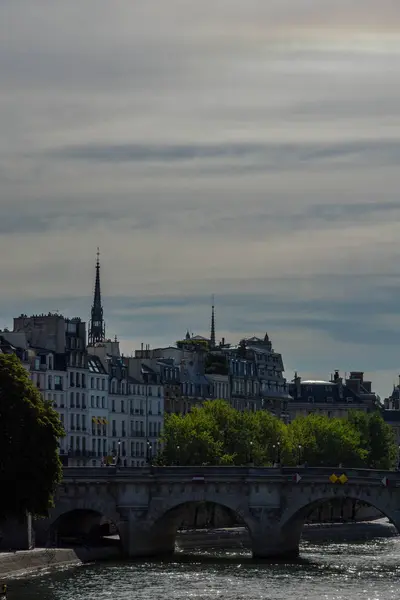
(30, 467)
(217, 434)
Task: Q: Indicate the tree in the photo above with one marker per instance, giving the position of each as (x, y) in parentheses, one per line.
(217, 434)
(376, 438)
(327, 442)
(30, 468)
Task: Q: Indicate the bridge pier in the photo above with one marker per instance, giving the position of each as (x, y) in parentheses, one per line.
(276, 542)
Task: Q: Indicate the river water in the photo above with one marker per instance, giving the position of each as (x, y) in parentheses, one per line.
(326, 571)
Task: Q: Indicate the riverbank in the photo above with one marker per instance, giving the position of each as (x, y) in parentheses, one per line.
(14, 564)
(238, 537)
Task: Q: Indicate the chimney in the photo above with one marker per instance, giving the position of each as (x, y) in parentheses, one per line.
(297, 383)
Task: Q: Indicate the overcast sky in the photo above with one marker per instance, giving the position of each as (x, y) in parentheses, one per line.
(249, 149)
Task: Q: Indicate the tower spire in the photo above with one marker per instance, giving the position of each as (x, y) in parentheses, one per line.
(97, 327)
(212, 337)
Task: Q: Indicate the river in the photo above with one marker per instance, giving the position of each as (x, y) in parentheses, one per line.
(326, 571)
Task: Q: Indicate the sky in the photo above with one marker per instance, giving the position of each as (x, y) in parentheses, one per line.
(249, 150)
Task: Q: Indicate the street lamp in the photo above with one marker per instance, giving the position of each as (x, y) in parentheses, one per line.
(149, 449)
(177, 454)
(119, 453)
(251, 452)
(300, 449)
(279, 453)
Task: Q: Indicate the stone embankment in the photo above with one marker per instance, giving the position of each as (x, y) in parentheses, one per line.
(14, 564)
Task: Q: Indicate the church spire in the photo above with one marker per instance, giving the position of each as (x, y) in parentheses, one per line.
(212, 337)
(97, 328)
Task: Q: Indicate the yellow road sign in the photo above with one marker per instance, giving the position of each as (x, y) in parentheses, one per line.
(333, 478)
(343, 478)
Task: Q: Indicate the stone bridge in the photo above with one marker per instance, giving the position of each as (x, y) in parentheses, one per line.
(146, 505)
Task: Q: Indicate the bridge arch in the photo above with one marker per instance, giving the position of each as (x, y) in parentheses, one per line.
(294, 517)
(78, 519)
(176, 514)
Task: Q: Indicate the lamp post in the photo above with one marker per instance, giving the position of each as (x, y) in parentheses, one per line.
(300, 449)
(279, 453)
(177, 454)
(119, 453)
(251, 453)
(149, 453)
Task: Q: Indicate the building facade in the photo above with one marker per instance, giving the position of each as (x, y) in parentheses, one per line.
(332, 398)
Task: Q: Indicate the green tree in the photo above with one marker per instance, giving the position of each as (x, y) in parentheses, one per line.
(376, 438)
(216, 434)
(327, 442)
(30, 467)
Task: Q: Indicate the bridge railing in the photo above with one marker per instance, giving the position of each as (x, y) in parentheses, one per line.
(317, 474)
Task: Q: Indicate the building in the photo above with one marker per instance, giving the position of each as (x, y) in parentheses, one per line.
(333, 398)
(250, 375)
(391, 412)
(59, 369)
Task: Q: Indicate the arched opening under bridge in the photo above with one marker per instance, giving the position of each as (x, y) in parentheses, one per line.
(198, 525)
(85, 528)
(298, 526)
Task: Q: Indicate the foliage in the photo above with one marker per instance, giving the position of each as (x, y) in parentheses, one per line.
(193, 344)
(325, 441)
(217, 434)
(216, 364)
(377, 438)
(30, 467)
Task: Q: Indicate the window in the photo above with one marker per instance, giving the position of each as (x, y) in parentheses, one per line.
(50, 382)
(122, 406)
(92, 382)
(97, 401)
(92, 401)
(58, 382)
(103, 385)
(72, 400)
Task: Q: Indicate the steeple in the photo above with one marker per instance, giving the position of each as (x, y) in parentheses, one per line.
(97, 328)
(212, 337)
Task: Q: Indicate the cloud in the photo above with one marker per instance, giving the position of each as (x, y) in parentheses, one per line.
(247, 149)
(268, 156)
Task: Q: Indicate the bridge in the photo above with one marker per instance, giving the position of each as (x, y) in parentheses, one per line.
(146, 505)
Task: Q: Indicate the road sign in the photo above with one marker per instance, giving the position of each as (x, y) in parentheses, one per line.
(385, 481)
(333, 478)
(343, 478)
(297, 478)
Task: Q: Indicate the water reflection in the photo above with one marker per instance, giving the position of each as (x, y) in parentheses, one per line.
(326, 571)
